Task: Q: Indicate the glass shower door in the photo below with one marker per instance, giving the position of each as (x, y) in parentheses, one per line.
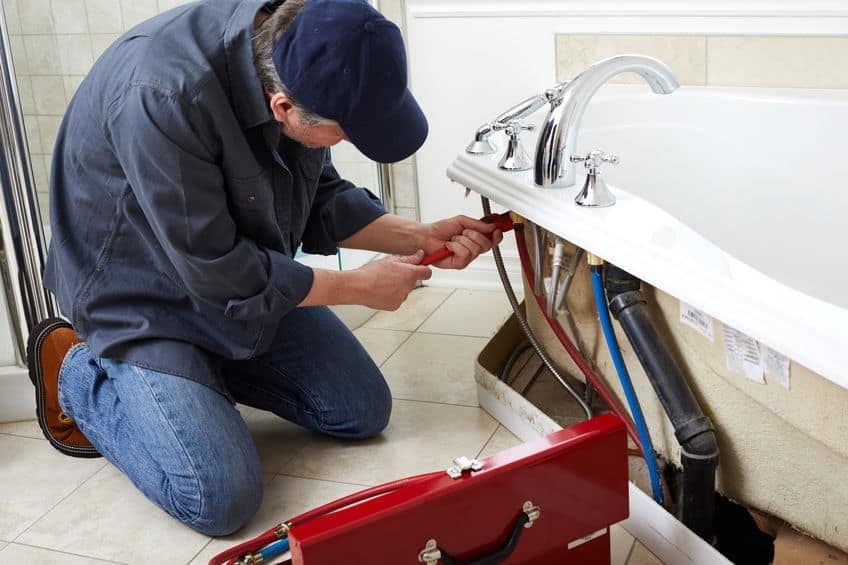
(24, 300)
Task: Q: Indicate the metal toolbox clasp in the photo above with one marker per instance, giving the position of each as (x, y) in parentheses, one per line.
(462, 465)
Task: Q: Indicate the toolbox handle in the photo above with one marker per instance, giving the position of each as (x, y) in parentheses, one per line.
(525, 520)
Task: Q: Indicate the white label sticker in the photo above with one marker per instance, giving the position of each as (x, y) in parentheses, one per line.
(776, 365)
(697, 320)
(743, 354)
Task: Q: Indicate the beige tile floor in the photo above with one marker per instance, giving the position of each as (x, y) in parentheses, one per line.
(55, 509)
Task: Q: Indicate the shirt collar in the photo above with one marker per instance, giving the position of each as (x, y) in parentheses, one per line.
(244, 85)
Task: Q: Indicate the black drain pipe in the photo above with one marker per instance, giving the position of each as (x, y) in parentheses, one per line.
(693, 429)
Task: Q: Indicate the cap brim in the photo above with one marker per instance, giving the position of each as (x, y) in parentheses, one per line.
(395, 137)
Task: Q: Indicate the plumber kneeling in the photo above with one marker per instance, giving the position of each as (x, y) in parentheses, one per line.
(191, 164)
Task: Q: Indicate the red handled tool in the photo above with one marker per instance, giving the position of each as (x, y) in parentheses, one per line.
(502, 221)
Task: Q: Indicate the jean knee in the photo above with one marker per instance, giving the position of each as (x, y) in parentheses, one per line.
(366, 413)
(228, 499)
(382, 411)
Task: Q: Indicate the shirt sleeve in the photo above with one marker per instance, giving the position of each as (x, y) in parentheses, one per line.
(169, 161)
(340, 210)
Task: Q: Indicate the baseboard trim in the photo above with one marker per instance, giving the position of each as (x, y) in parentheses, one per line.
(17, 401)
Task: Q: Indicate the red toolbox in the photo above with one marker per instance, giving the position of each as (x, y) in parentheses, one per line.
(546, 502)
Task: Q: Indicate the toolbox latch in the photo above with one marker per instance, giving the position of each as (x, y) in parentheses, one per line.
(533, 512)
(430, 555)
(462, 465)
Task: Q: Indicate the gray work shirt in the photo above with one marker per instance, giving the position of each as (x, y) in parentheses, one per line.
(177, 205)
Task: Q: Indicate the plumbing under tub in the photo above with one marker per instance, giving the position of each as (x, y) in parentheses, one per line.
(693, 430)
(573, 352)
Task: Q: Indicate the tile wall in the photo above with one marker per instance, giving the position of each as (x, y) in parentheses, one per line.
(718, 60)
(55, 43)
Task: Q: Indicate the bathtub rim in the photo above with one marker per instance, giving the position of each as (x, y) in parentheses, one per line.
(802, 327)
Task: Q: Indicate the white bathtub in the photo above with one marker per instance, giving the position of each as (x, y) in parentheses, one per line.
(733, 200)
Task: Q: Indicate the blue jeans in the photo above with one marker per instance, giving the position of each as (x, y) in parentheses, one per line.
(186, 447)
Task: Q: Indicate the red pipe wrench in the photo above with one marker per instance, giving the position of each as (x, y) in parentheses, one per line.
(502, 221)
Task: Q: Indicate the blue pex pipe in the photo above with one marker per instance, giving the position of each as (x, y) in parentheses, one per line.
(273, 550)
(626, 383)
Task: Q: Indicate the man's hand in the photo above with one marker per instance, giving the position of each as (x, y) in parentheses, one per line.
(386, 283)
(466, 237)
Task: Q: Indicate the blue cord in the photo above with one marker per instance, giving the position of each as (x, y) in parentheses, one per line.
(626, 384)
(273, 550)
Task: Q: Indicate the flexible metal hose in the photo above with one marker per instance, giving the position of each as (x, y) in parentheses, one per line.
(513, 357)
(525, 327)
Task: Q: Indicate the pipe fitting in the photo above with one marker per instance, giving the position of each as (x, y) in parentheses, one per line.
(687, 431)
(618, 303)
(618, 281)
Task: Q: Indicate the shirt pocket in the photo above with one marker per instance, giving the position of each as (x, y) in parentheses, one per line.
(251, 204)
(250, 193)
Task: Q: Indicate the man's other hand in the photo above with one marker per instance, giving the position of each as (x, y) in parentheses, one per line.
(466, 237)
(385, 284)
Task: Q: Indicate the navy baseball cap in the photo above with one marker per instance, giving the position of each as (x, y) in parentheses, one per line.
(344, 61)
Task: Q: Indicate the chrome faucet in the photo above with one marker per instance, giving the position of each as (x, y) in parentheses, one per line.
(558, 138)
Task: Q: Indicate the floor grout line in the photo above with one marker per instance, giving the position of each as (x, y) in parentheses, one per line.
(24, 437)
(360, 326)
(67, 552)
(283, 475)
(448, 295)
(459, 335)
(630, 552)
(426, 333)
(49, 510)
(482, 449)
(21, 435)
(393, 353)
(363, 328)
(200, 551)
(477, 406)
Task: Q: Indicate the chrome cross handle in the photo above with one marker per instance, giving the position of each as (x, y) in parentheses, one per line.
(594, 159)
(516, 158)
(595, 193)
(515, 127)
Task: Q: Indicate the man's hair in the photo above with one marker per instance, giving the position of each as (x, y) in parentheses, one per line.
(263, 47)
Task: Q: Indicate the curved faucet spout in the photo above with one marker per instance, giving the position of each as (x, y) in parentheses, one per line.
(558, 138)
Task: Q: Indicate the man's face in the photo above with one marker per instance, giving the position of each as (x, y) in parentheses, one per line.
(293, 126)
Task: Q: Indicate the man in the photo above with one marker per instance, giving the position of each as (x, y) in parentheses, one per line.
(190, 165)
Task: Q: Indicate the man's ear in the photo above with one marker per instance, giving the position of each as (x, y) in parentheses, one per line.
(281, 107)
